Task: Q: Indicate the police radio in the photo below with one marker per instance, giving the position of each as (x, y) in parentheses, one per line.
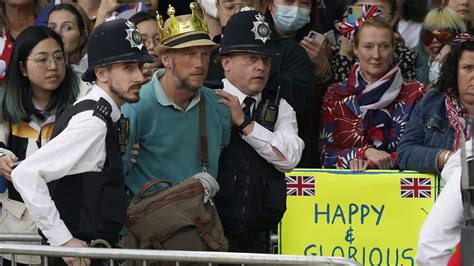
(269, 114)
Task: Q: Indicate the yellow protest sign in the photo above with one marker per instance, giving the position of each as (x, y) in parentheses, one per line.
(373, 217)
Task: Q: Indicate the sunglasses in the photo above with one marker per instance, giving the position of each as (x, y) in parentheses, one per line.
(443, 35)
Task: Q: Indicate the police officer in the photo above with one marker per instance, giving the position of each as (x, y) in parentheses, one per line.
(264, 142)
(88, 199)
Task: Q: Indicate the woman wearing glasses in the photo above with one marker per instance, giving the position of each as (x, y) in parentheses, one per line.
(146, 25)
(439, 27)
(364, 116)
(442, 116)
(38, 86)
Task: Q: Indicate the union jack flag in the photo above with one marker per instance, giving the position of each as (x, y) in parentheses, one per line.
(300, 186)
(415, 187)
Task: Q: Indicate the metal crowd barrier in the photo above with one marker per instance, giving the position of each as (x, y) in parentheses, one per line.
(20, 237)
(114, 254)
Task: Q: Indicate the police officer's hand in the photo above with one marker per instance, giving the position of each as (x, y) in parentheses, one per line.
(71, 261)
(234, 106)
(7, 158)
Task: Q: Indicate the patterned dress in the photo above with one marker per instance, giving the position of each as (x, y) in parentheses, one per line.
(344, 132)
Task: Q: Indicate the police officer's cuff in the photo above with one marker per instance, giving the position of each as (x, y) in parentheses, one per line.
(247, 121)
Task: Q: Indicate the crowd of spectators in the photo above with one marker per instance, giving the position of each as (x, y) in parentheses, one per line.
(376, 88)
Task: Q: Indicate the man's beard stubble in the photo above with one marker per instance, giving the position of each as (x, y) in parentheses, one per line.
(123, 96)
(183, 84)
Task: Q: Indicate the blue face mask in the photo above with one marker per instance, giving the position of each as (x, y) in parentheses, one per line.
(290, 19)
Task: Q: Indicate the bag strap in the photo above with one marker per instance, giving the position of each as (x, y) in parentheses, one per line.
(205, 235)
(150, 184)
(155, 241)
(203, 153)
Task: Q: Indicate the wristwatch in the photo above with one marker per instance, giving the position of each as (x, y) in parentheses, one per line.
(247, 121)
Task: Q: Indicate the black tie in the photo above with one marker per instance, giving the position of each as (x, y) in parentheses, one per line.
(249, 101)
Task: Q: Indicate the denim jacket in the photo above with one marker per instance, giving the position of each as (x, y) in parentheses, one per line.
(427, 133)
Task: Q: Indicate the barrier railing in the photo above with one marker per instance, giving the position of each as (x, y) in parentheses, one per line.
(210, 258)
(20, 238)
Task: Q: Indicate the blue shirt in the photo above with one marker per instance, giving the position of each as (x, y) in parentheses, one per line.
(169, 136)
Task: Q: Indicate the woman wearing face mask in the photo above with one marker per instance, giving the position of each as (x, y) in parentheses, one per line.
(439, 27)
(293, 20)
(442, 116)
(38, 86)
(435, 68)
(364, 117)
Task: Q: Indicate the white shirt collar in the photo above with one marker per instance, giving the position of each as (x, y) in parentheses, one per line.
(230, 88)
(96, 93)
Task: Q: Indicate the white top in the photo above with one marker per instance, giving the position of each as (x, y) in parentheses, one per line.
(442, 228)
(79, 148)
(284, 138)
(410, 31)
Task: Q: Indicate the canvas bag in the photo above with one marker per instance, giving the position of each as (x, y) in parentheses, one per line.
(179, 217)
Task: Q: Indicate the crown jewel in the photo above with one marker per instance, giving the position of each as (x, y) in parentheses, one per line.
(175, 26)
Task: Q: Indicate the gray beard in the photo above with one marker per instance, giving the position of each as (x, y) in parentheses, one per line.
(183, 85)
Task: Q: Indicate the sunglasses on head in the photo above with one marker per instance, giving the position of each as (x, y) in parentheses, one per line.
(443, 35)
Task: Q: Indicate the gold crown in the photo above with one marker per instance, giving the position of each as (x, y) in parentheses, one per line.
(175, 26)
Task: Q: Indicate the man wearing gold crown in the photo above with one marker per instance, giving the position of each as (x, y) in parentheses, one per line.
(264, 142)
(165, 123)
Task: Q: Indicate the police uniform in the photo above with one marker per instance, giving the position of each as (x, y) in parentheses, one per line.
(252, 199)
(84, 149)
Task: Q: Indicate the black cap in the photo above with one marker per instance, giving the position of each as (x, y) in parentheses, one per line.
(247, 31)
(114, 41)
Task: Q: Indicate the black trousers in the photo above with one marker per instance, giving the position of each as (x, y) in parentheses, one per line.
(6, 262)
(250, 242)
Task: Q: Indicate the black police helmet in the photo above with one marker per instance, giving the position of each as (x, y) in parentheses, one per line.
(247, 31)
(114, 41)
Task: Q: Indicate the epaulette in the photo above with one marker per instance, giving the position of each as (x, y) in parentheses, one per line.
(103, 109)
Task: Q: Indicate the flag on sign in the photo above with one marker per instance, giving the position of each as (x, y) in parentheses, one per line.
(300, 186)
(415, 187)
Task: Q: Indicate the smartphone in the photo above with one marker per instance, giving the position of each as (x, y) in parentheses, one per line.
(318, 37)
(354, 12)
